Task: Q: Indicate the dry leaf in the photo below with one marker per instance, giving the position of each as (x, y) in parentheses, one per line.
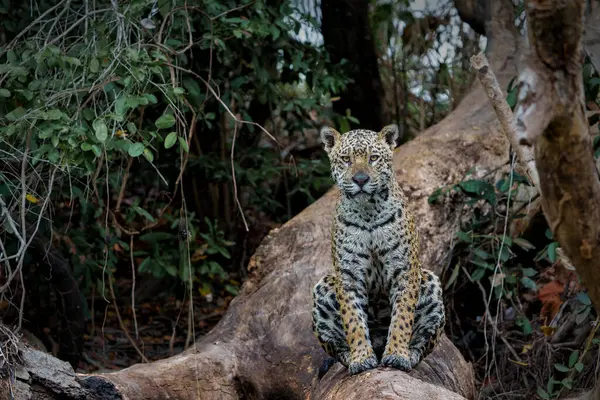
(547, 330)
(550, 296)
(31, 198)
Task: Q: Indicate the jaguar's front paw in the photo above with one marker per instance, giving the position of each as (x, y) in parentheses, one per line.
(397, 361)
(356, 367)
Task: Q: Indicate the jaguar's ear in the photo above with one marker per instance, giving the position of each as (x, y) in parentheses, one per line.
(330, 138)
(389, 135)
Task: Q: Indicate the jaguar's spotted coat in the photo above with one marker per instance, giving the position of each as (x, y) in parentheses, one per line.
(379, 304)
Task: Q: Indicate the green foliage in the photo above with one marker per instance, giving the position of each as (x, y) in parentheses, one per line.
(510, 267)
(491, 255)
(107, 98)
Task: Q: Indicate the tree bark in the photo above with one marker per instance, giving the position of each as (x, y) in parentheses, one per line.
(550, 116)
(263, 348)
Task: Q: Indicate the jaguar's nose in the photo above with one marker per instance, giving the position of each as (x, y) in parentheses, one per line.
(360, 178)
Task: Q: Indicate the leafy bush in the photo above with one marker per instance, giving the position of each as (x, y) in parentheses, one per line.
(104, 117)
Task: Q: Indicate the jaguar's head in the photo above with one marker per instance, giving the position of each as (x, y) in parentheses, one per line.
(361, 160)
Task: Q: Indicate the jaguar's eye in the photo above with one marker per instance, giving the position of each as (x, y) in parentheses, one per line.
(346, 159)
(374, 158)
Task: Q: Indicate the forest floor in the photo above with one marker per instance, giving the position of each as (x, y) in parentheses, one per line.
(163, 323)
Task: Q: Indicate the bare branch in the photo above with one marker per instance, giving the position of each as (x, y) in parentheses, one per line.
(505, 115)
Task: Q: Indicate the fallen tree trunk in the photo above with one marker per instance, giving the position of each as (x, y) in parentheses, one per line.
(263, 347)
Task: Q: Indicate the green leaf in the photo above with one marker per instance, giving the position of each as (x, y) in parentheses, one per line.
(88, 114)
(435, 195)
(136, 149)
(4, 93)
(275, 32)
(151, 98)
(503, 185)
(505, 254)
(183, 144)
(121, 106)
(232, 289)
(463, 236)
(144, 264)
(584, 299)
(148, 154)
(171, 269)
(165, 121)
(16, 114)
(481, 189)
(511, 98)
(542, 393)
(524, 323)
(573, 358)
(478, 274)
(11, 56)
(131, 127)
(100, 130)
(552, 251)
(453, 276)
(482, 263)
(594, 82)
(53, 115)
(192, 87)
(561, 367)
(568, 383)
(582, 316)
(482, 254)
(94, 65)
(507, 240)
(528, 271)
(524, 244)
(528, 283)
(548, 234)
(170, 140)
(140, 211)
(579, 366)
(96, 149)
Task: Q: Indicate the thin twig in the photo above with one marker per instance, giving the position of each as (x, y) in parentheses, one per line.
(24, 31)
(505, 115)
(235, 192)
(214, 93)
(75, 24)
(135, 325)
(121, 324)
(56, 19)
(123, 185)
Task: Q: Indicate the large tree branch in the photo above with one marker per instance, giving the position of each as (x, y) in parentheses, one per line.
(498, 100)
(550, 85)
(550, 115)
